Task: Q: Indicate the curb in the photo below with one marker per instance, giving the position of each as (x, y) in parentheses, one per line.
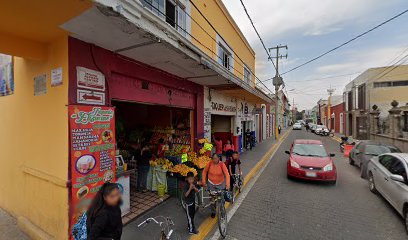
(207, 225)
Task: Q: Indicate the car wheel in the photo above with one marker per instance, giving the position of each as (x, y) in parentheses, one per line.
(333, 182)
(351, 161)
(371, 183)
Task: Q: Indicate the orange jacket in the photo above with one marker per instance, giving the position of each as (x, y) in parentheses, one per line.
(216, 173)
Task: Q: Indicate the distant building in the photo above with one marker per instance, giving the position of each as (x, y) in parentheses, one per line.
(337, 114)
(376, 86)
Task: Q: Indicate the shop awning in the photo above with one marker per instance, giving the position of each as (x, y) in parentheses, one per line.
(135, 32)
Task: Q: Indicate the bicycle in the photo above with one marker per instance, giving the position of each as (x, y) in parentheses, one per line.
(167, 232)
(238, 183)
(216, 197)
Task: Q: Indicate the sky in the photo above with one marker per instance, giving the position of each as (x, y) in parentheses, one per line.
(312, 27)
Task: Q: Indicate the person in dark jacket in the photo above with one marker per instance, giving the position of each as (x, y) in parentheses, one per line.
(143, 166)
(104, 217)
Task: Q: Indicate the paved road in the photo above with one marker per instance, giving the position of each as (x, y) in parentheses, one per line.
(278, 208)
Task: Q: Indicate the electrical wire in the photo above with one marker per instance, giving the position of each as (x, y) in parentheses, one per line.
(198, 41)
(257, 33)
(215, 40)
(347, 42)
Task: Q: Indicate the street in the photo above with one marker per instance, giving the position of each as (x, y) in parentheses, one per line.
(279, 208)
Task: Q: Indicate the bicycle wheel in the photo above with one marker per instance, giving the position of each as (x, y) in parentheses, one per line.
(222, 219)
(233, 194)
(175, 236)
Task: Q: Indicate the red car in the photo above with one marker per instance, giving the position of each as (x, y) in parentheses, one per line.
(310, 160)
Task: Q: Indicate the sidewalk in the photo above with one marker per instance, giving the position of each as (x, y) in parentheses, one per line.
(9, 228)
(171, 208)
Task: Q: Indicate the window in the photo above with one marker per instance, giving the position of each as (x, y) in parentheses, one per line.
(387, 161)
(397, 168)
(376, 150)
(224, 54)
(382, 84)
(156, 6)
(169, 11)
(349, 101)
(226, 58)
(401, 83)
(247, 74)
(313, 150)
(361, 96)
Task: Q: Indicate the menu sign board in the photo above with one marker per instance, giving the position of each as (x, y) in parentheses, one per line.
(92, 152)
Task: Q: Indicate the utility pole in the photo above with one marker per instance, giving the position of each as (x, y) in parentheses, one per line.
(330, 91)
(277, 82)
(294, 112)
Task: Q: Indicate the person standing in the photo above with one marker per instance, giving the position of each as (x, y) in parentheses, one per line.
(143, 166)
(218, 146)
(190, 190)
(218, 177)
(104, 217)
(231, 166)
(248, 141)
(228, 149)
(279, 129)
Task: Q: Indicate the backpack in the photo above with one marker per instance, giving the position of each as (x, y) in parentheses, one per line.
(79, 231)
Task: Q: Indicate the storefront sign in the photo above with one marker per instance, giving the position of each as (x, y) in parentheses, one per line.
(245, 111)
(90, 97)
(6, 75)
(92, 153)
(222, 107)
(90, 79)
(207, 123)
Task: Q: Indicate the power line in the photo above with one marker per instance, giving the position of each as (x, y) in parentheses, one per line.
(347, 42)
(257, 33)
(215, 40)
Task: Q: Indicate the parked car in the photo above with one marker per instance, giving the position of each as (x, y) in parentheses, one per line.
(312, 127)
(297, 126)
(387, 175)
(364, 150)
(322, 130)
(308, 159)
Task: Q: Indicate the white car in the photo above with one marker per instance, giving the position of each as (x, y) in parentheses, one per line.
(297, 126)
(387, 175)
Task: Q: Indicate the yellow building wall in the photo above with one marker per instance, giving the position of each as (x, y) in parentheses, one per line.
(34, 144)
(217, 15)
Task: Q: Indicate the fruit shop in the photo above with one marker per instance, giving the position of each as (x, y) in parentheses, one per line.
(147, 107)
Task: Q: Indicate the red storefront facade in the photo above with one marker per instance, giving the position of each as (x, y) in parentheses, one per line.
(131, 81)
(337, 118)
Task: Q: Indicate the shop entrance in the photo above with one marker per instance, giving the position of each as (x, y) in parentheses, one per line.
(221, 127)
(146, 132)
(248, 136)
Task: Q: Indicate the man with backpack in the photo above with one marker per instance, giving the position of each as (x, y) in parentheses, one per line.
(218, 177)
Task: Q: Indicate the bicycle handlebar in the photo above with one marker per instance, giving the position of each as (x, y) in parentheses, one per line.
(148, 221)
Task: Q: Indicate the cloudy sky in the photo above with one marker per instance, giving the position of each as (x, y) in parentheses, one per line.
(311, 27)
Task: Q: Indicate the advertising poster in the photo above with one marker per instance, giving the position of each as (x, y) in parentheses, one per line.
(6, 75)
(92, 151)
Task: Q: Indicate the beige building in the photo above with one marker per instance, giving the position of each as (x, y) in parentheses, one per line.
(376, 86)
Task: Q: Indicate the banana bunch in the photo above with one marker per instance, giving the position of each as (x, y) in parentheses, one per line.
(163, 162)
(202, 161)
(202, 140)
(183, 170)
(192, 156)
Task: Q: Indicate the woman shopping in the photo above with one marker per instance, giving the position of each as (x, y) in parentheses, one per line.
(216, 177)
